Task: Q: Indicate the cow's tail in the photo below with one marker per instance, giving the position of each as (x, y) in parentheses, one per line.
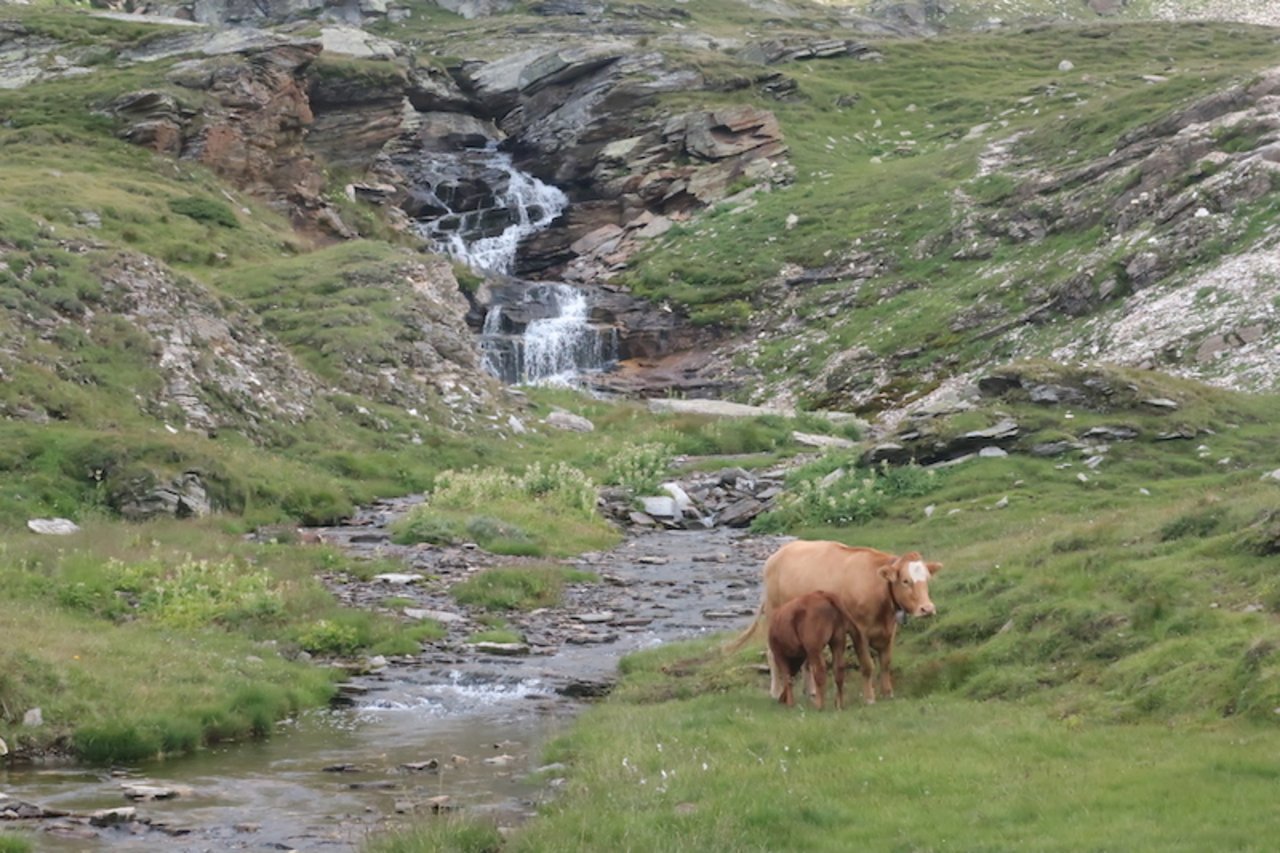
(844, 613)
(741, 639)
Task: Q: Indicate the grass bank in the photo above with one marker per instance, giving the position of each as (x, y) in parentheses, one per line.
(130, 646)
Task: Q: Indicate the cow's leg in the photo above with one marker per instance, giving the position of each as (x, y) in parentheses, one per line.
(837, 663)
(864, 667)
(788, 668)
(886, 670)
(775, 679)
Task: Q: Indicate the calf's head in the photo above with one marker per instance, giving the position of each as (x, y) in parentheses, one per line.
(908, 579)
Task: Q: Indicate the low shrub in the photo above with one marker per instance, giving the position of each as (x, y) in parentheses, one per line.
(206, 210)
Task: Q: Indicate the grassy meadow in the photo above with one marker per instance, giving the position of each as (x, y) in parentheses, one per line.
(1103, 674)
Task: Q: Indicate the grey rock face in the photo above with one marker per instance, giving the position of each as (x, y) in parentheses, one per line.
(183, 497)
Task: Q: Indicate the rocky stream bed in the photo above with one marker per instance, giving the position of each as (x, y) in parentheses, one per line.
(457, 726)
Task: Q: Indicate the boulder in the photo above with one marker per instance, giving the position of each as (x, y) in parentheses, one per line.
(183, 497)
(740, 513)
(53, 526)
(570, 422)
(471, 9)
(660, 507)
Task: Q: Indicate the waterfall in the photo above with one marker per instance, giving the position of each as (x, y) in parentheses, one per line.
(485, 231)
(551, 349)
(476, 206)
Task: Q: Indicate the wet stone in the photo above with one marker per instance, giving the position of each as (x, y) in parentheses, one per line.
(589, 639)
(507, 649)
(113, 817)
(726, 614)
(600, 616)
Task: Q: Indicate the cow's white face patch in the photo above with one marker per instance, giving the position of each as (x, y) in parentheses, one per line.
(917, 571)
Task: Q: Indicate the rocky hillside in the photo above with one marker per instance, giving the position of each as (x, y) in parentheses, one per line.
(214, 212)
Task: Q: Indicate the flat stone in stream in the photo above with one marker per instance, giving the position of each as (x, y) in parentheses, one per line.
(398, 578)
(726, 614)
(149, 791)
(508, 649)
(589, 639)
(111, 817)
(444, 617)
(585, 689)
(596, 617)
(12, 809)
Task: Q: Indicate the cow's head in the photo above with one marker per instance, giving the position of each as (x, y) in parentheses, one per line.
(908, 579)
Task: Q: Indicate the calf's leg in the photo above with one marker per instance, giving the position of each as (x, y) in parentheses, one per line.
(837, 664)
(819, 671)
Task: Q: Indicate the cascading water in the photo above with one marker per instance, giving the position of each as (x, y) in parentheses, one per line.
(478, 207)
(521, 205)
(551, 349)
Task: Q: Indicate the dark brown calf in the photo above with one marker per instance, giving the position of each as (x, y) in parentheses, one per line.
(798, 631)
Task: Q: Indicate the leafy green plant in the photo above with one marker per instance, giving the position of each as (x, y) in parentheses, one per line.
(200, 592)
(639, 468)
(845, 496)
(325, 637)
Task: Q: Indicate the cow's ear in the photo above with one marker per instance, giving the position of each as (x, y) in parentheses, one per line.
(888, 572)
(933, 568)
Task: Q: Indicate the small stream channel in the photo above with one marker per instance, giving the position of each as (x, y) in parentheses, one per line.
(449, 722)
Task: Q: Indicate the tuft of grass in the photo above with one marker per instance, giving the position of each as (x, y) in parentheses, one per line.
(11, 843)
(206, 210)
(450, 834)
(517, 587)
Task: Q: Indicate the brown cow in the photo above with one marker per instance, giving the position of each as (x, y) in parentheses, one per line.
(871, 586)
(798, 631)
